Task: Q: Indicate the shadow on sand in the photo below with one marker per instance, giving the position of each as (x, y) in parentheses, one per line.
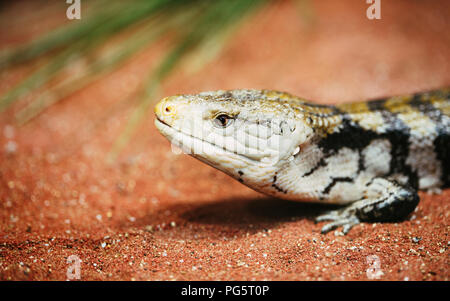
(252, 214)
(234, 216)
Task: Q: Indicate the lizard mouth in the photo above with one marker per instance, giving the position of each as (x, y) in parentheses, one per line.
(171, 134)
(161, 121)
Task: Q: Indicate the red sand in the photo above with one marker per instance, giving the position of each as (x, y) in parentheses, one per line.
(154, 215)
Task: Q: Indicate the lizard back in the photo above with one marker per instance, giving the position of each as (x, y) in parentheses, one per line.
(417, 127)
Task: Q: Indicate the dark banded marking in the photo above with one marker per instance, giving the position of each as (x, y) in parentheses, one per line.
(349, 135)
(278, 188)
(319, 164)
(424, 106)
(334, 181)
(442, 141)
(353, 136)
(240, 176)
(398, 133)
(361, 159)
(377, 104)
(274, 185)
(441, 146)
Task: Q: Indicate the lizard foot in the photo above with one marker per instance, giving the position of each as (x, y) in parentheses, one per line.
(384, 201)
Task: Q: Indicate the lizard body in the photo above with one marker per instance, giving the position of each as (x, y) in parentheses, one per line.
(369, 156)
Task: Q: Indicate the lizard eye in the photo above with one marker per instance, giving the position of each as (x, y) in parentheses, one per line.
(222, 120)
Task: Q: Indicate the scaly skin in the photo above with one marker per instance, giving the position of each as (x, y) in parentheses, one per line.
(370, 156)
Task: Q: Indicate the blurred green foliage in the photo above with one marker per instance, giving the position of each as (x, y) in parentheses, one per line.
(195, 26)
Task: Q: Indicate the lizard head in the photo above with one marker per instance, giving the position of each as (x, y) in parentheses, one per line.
(245, 133)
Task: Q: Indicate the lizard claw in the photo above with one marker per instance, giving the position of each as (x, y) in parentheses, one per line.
(346, 223)
(339, 218)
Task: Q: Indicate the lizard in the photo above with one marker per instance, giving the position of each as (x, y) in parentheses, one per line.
(370, 157)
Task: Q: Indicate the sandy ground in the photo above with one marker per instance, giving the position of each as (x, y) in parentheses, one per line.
(155, 215)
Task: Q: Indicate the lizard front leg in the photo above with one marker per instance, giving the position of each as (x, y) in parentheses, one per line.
(384, 200)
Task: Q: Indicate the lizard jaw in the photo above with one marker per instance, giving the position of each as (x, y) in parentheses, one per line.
(179, 138)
